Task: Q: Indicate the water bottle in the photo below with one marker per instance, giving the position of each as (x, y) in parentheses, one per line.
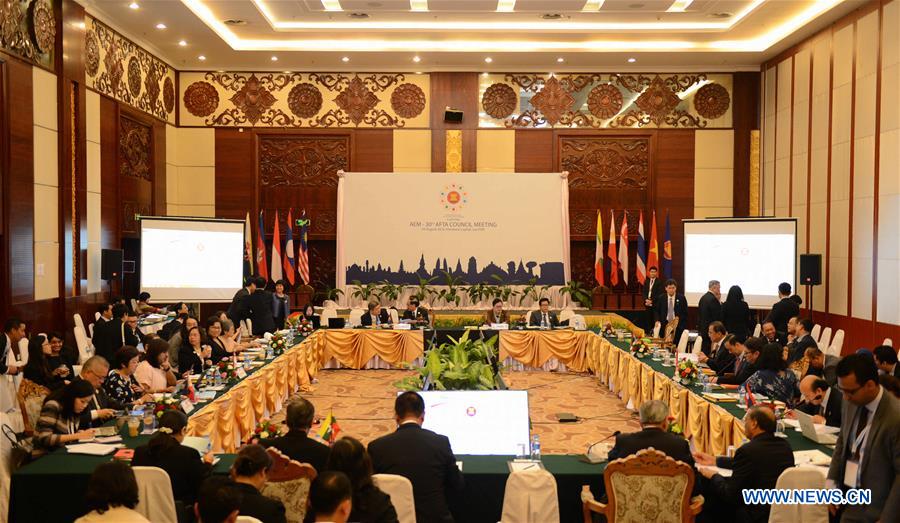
(704, 380)
(246, 362)
(543, 323)
(536, 447)
(269, 352)
(742, 398)
(218, 378)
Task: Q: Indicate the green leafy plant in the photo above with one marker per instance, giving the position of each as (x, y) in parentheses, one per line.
(454, 289)
(390, 292)
(531, 290)
(457, 322)
(577, 292)
(423, 290)
(479, 292)
(327, 293)
(460, 364)
(502, 290)
(365, 292)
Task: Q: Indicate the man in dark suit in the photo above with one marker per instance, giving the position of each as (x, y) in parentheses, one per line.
(755, 465)
(822, 365)
(886, 360)
(653, 287)
(771, 334)
(375, 316)
(106, 313)
(821, 401)
(133, 335)
(237, 310)
(421, 456)
(296, 444)
(259, 309)
(871, 410)
(109, 336)
(101, 407)
(720, 359)
(182, 311)
(543, 316)
(331, 497)
(670, 305)
(746, 354)
(249, 474)
(709, 309)
(796, 349)
(13, 331)
(785, 309)
(414, 312)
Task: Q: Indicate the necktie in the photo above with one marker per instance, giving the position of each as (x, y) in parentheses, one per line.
(860, 426)
(650, 290)
(546, 321)
(671, 314)
(737, 365)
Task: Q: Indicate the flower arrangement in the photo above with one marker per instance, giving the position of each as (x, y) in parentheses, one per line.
(305, 328)
(265, 429)
(227, 371)
(675, 427)
(687, 372)
(640, 347)
(278, 343)
(164, 404)
(608, 329)
(294, 318)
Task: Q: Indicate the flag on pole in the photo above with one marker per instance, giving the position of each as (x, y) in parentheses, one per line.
(653, 257)
(641, 264)
(303, 254)
(329, 429)
(261, 267)
(598, 258)
(290, 268)
(623, 248)
(667, 249)
(248, 246)
(613, 265)
(277, 273)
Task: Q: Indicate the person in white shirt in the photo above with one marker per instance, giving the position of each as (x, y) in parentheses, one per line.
(112, 495)
(13, 332)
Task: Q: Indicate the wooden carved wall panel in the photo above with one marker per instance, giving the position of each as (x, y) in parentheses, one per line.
(582, 257)
(28, 30)
(302, 161)
(606, 163)
(131, 209)
(322, 263)
(135, 149)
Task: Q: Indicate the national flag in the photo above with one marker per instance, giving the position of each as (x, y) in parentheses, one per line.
(277, 273)
(598, 258)
(303, 254)
(248, 246)
(290, 268)
(623, 248)
(261, 267)
(613, 265)
(653, 257)
(667, 249)
(190, 389)
(641, 263)
(330, 429)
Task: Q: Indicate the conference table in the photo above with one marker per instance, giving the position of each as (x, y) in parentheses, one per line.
(63, 477)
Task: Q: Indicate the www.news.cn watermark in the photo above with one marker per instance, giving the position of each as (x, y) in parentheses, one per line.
(809, 496)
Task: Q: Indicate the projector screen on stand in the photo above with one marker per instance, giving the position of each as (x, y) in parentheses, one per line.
(195, 260)
(755, 254)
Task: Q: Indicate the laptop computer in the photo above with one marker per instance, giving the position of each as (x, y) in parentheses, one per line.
(809, 430)
(336, 323)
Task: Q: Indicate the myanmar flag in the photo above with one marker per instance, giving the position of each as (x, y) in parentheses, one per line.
(330, 429)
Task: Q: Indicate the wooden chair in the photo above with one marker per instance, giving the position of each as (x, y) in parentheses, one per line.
(645, 487)
(289, 482)
(31, 398)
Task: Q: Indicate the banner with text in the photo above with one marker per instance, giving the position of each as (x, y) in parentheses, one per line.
(480, 228)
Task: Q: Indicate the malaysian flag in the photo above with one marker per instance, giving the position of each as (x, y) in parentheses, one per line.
(303, 253)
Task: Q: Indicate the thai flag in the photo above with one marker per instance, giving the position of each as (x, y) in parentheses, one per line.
(641, 251)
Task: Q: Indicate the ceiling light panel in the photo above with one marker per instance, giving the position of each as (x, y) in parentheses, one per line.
(679, 6)
(506, 6)
(418, 5)
(332, 5)
(543, 6)
(593, 5)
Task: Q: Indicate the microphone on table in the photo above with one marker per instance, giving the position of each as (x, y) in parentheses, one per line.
(588, 458)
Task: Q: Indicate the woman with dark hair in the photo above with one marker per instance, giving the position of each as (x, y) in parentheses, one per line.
(38, 367)
(281, 307)
(369, 505)
(222, 345)
(61, 355)
(112, 494)
(249, 472)
(184, 465)
(194, 356)
(154, 373)
(143, 304)
(736, 313)
(773, 379)
(60, 416)
(120, 384)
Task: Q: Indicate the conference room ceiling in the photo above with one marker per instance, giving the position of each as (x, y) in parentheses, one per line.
(468, 35)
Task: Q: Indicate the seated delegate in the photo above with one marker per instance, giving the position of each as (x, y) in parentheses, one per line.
(544, 316)
(250, 473)
(496, 314)
(375, 317)
(369, 504)
(60, 416)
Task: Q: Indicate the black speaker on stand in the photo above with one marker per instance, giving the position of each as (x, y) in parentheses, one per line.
(810, 275)
(111, 266)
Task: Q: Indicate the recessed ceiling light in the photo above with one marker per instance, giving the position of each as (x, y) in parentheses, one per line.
(414, 5)
(592, 5)
(160, 26)
(134, 5)
(632, 60)
(416, 59)
(679, 6)
(332, 5)
(418, 72)
(274, 58)
(201, 58)
(345, 59)
(182, 43)
(488, 60)
(560, 60)
(80, 25)
(506, 5)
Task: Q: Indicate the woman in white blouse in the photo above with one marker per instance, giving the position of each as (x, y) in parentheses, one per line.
(154, 373)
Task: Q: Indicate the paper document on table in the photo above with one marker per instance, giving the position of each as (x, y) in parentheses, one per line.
(519, 466)
(811, 457)
(459, 465)
(108, 439)
(725, 473)
(198, 443)
(720, 396)
(205, 395)
(820, 429)
(92, 449)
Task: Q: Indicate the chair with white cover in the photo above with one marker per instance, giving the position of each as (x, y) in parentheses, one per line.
(395, 316)
(656, 327)
(697, 346)
(329, 304)
(78, 321)
(326, 315)
(289, 482)
(578, 322)
(816, 332)
(91, 331)
(5, 468)
(889, 342)
(566, 314)
(96, 316)
(401, 493)
(155, 499)
(356, 315)
(801, 477)
(757, 330)
(85, 349)
(683, 341)
(530, 497)
(249, 327)
(824, 340)
(662, 485)
(134, 304)
(837, 343)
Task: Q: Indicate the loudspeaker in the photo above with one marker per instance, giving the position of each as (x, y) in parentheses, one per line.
(453, 116)
(111, 264)
(810, 269)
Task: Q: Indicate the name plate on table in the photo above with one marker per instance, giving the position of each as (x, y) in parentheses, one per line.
(687, 356)
(402, 326)
(240, 372)
(187, 406)
(500, 326)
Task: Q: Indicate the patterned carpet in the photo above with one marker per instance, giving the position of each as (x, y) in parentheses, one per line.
(363, 400)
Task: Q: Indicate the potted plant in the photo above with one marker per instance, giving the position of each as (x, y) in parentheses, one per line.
(577, 292)
(390, 292)
(503, 290)
(423, 290)
(532, 291)
(478, 293)
(459, 364)
(327, 293)
(453, 290)
(365, 292)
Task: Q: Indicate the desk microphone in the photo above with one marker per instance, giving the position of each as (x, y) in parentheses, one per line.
(587, 458)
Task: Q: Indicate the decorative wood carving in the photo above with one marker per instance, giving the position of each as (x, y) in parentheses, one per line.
(322, 263)
(28, 30)
(134, 77)
(324, 221)
(582, 257)
(712, 101)
(129, 210)
(605, 101)
(253, 99)
(499, 101)
(43, 25)
(606, 163)
(305, 100)
(582, 222)
(657, 100)
(408, 100)
(201, 99)
(135, 149)
(113, 64)
(91, 54)
(168, 95)
(356, 100)
(552, 101)
(302, 161)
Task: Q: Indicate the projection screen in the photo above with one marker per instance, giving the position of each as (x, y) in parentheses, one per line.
(755, 254)
(197, 260)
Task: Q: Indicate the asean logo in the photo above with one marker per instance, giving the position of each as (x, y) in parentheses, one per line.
(453, 197)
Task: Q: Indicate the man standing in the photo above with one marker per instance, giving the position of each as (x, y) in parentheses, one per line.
(886, 359)
(820, 401)
(796, 349)
(421, 456)
(544, 316)
(867, 452)
(237, 310)
(109, 336)
(720, 359)
(785, 309)
(653, 287)
(13, 331)
(258, 307)
(709, 310)
(669, 306)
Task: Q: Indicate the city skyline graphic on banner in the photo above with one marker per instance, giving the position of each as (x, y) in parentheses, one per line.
(548, 273)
